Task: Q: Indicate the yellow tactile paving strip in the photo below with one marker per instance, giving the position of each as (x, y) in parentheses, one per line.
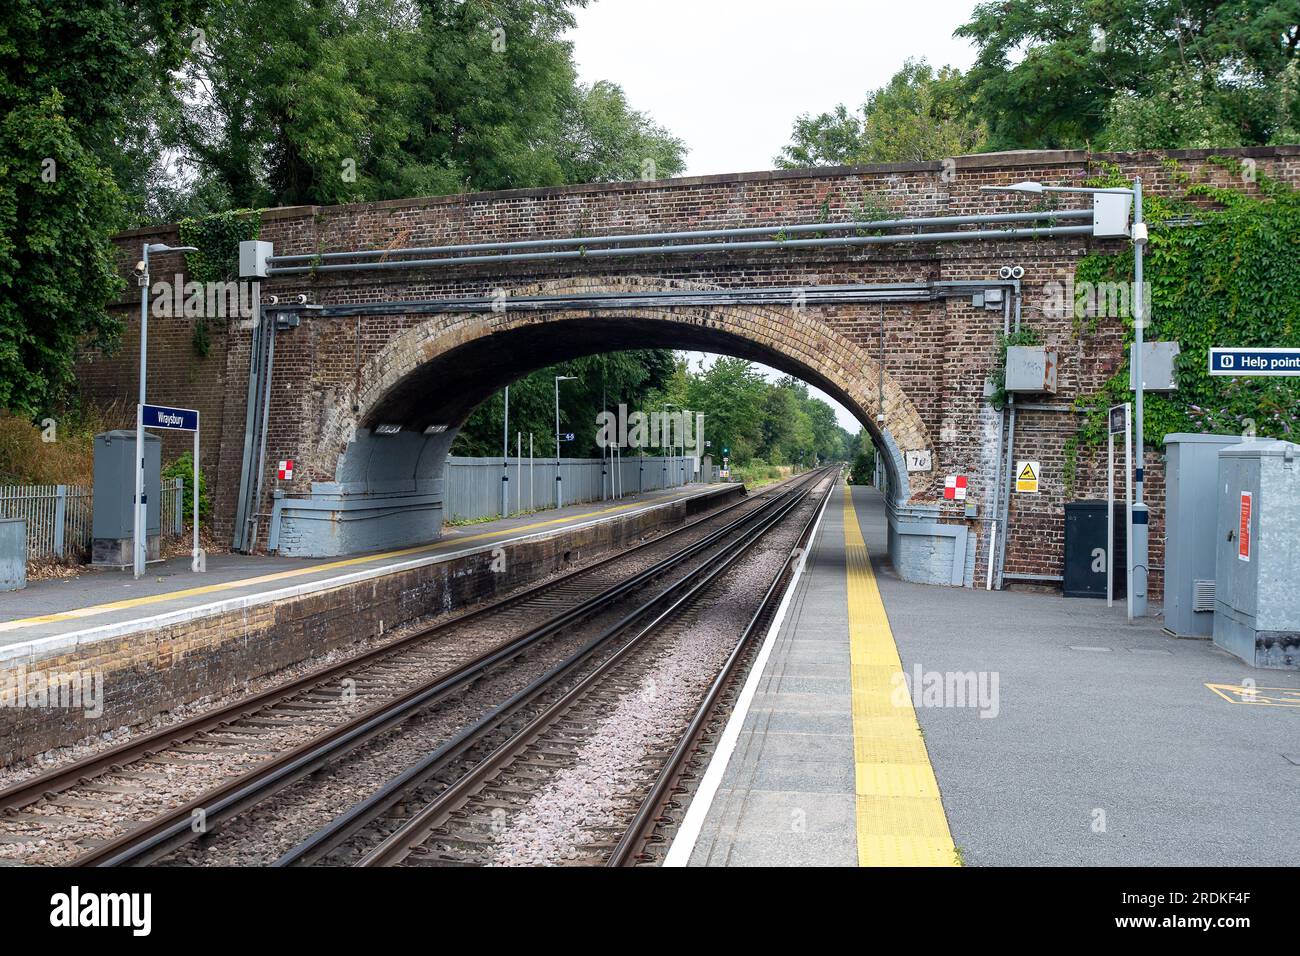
(900, 818)
(444, 545)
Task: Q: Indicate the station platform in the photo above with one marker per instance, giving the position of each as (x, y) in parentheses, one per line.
(109, 602)
(889, 724)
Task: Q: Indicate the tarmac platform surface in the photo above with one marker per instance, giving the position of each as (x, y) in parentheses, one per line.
(1028, 729)
(113, 599)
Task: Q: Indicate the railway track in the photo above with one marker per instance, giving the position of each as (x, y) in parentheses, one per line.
(446, 810)
(103, 802)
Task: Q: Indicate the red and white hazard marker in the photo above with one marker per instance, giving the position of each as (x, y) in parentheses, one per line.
(954, 487)
(285, 471)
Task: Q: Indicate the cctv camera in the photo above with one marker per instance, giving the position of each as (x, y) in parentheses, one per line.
(275, 300)
(302, 300)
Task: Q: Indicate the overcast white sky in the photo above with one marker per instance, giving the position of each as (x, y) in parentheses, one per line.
(730, 76)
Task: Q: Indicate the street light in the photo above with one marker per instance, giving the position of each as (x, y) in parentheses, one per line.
(1138, 527)
(140, 525)
(559, 481)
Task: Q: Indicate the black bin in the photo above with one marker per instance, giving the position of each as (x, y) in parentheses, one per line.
(1085, 549)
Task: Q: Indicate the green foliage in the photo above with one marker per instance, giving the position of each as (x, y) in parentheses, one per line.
(183, 467)
(217, 237)
(58, 205)
(1228, 280)
(777, 423)
(921, 114)
(864, 466)
(332, 101)
(1134, 73)
(1023, 336)
(71, 74)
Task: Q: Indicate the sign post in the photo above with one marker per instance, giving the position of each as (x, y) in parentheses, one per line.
(182, 420)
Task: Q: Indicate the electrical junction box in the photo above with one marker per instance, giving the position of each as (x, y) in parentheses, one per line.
(253, 254)
(1111, 215)
(13, 554)
(1158, 360)
(1031, 369)
(1191, 494)
(112, 526)
(1257, 563)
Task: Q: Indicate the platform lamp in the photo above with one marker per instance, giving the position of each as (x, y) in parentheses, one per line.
(1111, 219)
(140, 525)
(559, 482)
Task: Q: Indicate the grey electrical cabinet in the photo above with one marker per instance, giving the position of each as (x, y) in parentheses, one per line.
(1257, 562)
(112, 523)
(1191, 497)
(13, 554)
(1031, 369)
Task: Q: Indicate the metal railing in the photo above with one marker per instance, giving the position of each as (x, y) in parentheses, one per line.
(59, 517)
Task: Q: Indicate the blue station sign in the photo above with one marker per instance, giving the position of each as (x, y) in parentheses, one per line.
(1232, 361)
(179, 419)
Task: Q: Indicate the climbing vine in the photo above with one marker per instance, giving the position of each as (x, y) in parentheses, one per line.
(217, 238)
(1221, 264)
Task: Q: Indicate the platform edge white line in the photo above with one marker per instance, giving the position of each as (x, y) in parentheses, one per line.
(688, 834)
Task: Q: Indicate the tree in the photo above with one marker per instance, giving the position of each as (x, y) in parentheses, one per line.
(1048, 73)
(919, 115)
(70, 73)
(329, 101)
(606, 140)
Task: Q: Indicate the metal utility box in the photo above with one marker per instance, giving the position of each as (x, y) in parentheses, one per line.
(253, 254)
(1191, 496)
(1031, 369)
(1085, 550)
(1111, 213)
(1257, 561)
(1158, 360)
(13, 554)
(112, 523)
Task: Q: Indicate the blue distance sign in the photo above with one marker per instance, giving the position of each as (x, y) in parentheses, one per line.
(179, 419)
(1229, 361)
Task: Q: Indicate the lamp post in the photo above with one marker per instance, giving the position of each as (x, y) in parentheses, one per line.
(559, 481)
(140, 524)
(1138, 527)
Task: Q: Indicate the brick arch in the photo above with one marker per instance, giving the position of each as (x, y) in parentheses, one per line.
(398, 382)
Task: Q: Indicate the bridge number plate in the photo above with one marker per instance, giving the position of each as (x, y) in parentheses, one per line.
(922, 460)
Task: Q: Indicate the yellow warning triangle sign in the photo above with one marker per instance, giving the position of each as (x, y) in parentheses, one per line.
(1027, 473)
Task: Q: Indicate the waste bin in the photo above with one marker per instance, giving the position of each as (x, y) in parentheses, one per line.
(1085, 550)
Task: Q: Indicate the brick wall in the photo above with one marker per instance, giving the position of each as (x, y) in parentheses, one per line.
(936, 356)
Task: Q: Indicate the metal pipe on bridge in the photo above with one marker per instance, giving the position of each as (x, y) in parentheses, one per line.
(1032, 232)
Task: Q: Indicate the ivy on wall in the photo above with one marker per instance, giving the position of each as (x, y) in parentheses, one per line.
(217, 238)
(1222, 266)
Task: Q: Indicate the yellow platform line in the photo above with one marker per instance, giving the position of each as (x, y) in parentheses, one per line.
(97, 609)
(900, 817)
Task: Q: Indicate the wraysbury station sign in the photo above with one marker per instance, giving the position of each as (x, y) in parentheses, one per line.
(1248, 361)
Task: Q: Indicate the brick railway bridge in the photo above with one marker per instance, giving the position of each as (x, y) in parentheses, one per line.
(902, 331)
